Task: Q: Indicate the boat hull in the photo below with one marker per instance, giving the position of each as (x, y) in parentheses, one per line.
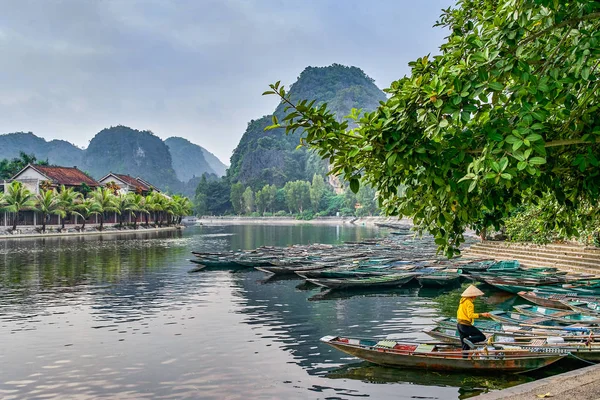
(447, 362)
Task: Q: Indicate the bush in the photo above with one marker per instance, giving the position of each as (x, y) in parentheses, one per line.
(267, 214)
(281, 213)
(346, 212)
(305, 215)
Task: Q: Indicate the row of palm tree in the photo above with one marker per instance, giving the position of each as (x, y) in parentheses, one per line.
(67, 202)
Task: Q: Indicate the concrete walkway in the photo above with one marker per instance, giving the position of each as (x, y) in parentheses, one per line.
(581, 384)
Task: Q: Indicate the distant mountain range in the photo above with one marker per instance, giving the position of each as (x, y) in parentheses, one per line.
(174, 164)
(272, 157)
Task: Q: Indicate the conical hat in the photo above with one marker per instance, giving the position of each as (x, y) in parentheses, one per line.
(472, 291)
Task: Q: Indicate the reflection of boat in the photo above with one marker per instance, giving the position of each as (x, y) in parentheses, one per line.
(445, 358)
(474, 384)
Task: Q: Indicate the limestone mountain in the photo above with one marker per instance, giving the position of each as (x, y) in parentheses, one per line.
(57, 152)
(125, 150)
(191, 160)
(272, 157)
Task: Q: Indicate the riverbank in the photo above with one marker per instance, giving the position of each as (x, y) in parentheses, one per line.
(359, 221)
(107, 230)
(582, 383)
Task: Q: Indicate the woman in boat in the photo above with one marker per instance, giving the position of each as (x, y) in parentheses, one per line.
(466, 316)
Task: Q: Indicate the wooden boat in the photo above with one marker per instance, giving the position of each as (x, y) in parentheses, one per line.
(589, 307)
(561, 316)
(392, 280)
(582, 346)
(412, 355)
(220, 264)
(293, 269)
(516, 318)
(545, 299)
(508, 332)
(440, 279)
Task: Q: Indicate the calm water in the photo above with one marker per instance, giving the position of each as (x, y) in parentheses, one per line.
(121, 317)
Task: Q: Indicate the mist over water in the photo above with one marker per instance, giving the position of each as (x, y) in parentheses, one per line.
(121, 317)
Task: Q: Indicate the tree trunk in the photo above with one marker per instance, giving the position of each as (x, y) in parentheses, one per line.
(62, 226)
(134, 220)
(83, 225)
(43, 222)
(101, 221)
(15, 221)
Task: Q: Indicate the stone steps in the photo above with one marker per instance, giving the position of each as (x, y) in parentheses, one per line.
(562, 256)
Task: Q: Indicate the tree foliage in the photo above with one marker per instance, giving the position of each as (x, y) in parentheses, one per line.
(506, 114)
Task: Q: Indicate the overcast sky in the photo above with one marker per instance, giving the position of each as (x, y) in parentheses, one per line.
(189, 68)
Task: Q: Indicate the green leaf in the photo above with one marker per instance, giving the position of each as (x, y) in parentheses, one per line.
(497, 86)
(392, 158)
(537, 160)
(510, 139)
(354, 185)
(443, 123)
(506, 176)
(438, 103)
(517, 145)
(534, 137)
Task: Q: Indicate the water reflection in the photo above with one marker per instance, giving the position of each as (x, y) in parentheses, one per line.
(120, 317)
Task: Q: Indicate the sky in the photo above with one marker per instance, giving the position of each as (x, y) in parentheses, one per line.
(189, 68)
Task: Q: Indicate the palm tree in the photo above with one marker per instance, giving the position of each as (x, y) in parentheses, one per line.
(160, 205)
(183, 207)
(48, 203)
(136, 204)
(85, 209)
(16, 198)
(124, 204)
(67, 199)
(104, 201)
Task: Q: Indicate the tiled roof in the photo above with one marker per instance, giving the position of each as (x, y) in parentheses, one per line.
(68, 176)
(132, 182)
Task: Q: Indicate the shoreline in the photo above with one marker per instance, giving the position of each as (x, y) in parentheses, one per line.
(357, 221)
(108, 231)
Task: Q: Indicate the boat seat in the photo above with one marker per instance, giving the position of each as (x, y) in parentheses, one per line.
(538, 342)
(535, 320)
(563, 314)
(386, 344)
(424, 348)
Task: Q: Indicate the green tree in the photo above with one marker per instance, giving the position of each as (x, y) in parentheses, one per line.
(506, 114)
(67, 199)
(48, 202)
(248, 198)
(366, 198)
(317, 191)
(17, 198)
(9, 168)
(236, 197)
(297, 195)
(86, 208)
(104, 202)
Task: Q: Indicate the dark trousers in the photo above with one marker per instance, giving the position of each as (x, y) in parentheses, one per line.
(470, 333)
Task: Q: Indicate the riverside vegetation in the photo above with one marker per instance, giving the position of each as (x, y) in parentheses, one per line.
(504, 121)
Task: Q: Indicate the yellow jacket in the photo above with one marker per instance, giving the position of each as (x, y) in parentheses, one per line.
(466, 311)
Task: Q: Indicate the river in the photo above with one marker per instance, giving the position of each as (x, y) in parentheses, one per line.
(119, 316)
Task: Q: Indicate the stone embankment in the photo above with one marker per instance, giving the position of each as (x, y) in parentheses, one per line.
(564, 256)
(580, 384)
(28, 232)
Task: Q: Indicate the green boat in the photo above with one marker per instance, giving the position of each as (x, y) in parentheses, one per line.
(391, 353)
(392, 280)
(561, 316)
(578, 345)
(440, 279)
(515, 318)
(589, 307)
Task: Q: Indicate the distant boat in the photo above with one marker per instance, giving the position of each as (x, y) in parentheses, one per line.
(191, 221)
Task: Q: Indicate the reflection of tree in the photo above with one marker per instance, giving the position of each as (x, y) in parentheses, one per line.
(104, 271)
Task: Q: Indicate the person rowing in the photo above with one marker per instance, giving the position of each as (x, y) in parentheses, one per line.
(469, 335)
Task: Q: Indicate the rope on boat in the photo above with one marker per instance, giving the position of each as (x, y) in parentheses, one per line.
(581, 359)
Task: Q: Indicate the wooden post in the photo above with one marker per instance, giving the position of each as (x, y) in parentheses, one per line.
(34, 218)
